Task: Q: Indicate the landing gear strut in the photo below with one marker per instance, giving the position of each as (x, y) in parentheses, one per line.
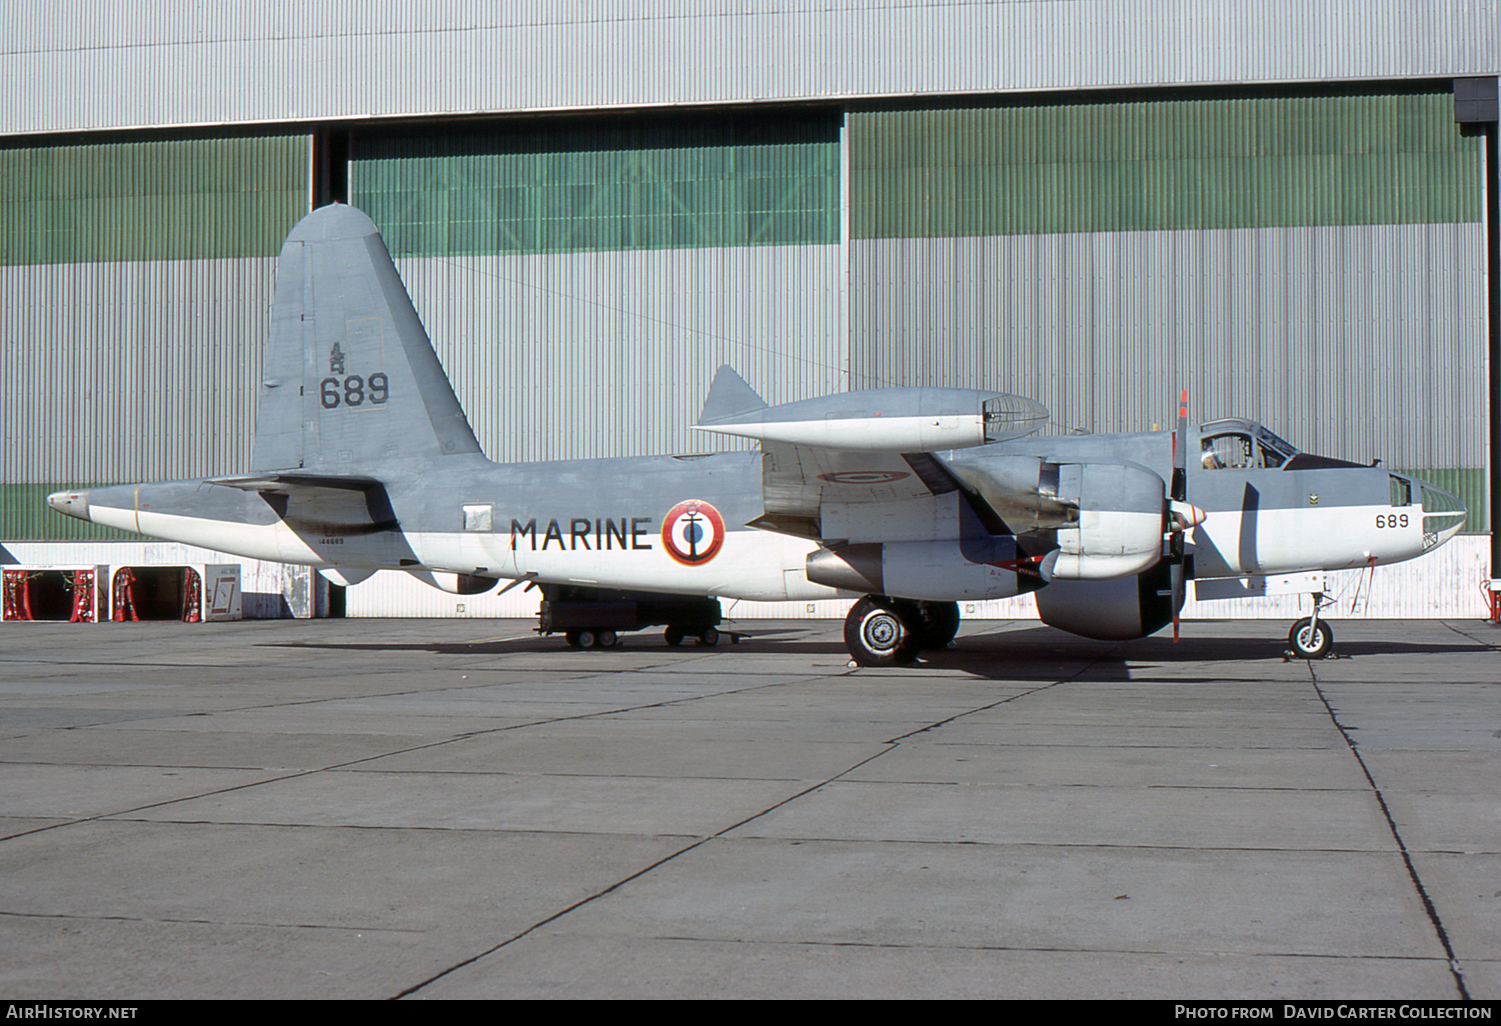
(880, 631)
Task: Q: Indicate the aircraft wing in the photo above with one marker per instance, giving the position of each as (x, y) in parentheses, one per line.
(864, 468)
(800, 482)
(823, 456)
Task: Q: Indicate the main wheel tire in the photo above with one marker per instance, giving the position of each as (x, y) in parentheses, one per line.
(1311, 640)
(587, 639)
(708, 637)
(673, 636)
(877, 634)
(934, 624)
(608, 639)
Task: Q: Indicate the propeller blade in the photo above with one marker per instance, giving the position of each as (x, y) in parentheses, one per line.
(1180, 451)
(1184, 515)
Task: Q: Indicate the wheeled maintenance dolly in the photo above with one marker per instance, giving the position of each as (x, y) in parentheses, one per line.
(596, 617)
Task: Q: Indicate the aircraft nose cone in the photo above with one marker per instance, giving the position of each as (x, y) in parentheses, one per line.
(74, 504)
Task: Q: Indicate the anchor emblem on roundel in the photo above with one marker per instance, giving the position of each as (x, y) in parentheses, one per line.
(692, 532)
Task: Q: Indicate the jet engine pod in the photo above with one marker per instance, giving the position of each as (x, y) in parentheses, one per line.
(456, 584)
(1113, 610)
(939, 571)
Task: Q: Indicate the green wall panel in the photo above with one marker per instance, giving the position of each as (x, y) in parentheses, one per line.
(1212, 162)
(25, 516)
(178, 199)
(611, 186)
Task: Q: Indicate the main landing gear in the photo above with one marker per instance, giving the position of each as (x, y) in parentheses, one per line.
(881, 631)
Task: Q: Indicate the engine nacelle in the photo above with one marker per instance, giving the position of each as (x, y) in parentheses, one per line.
(1120, 521)
(1108, 516)
(455, 584)
(1113, 610)
(940, 571)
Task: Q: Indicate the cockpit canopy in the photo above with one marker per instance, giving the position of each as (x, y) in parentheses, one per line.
(1240, 444)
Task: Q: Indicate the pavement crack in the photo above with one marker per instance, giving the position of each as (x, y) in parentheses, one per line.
(700, 842)
(891, 745)
(1412, 871)
(184, 921)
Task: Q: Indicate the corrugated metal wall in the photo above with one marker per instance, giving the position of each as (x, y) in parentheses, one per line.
(1314, 259)
(1309, 255)
(94, 64)
(582, 283)
(1311, 258)
(135, 291)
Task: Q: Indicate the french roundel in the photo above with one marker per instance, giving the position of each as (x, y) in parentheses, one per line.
(692, 532)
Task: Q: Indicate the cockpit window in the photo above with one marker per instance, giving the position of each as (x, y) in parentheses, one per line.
(1401, 490)
(1246, 447)
(1274, 451)
(1233, 451)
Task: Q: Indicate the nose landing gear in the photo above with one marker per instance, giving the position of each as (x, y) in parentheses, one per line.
(1310, 637)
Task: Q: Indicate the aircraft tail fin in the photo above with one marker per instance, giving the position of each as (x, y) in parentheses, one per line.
(729, 396)
(350, 377)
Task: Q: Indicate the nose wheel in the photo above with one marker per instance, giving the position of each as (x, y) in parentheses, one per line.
(1311, 638)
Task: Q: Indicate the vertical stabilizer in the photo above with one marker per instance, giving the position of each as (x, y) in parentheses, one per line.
(350, 376)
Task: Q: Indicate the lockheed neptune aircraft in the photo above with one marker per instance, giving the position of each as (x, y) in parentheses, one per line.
(913, 499)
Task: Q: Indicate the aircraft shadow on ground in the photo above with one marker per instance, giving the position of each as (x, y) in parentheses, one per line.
(1032, 653)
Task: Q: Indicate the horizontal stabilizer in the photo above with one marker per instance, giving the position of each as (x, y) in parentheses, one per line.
(328, 504)
(290, 481)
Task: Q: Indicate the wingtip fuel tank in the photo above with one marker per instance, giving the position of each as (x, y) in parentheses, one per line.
(877, 420)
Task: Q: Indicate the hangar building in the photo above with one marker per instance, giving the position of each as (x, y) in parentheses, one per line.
(1288, 209)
